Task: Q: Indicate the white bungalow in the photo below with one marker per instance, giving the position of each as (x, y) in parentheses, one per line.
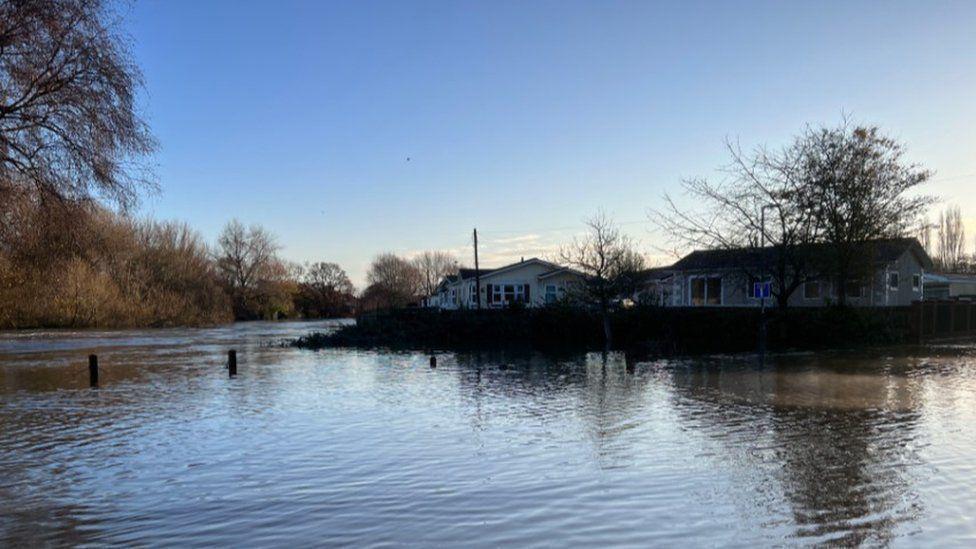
(531, 282)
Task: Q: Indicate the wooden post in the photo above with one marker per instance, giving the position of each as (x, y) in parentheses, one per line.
(93, 370)
(232, 362)
(433, 361)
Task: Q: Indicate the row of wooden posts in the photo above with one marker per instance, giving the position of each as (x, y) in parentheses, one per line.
(93, 367)
(231, 366)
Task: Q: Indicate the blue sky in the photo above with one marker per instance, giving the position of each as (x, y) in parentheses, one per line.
(520, 118)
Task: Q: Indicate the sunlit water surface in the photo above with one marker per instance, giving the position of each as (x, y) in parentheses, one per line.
(344, 447)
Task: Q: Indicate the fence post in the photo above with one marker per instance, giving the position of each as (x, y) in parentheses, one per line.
(232, 362)
(93, 370)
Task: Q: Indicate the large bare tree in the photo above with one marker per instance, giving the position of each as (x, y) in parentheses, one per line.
(324, 292)
(609, 263)
(758, 202)
(393, 281)
(246, 259)
(433, 267)
(69, 127)
(843, 186)
(860, 188)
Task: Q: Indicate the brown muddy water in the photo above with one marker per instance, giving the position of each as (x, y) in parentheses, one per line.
(368, 448)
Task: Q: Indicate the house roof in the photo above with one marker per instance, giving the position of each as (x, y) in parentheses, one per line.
(558, 271)
(468, 274)
(657, 273)
(471, 273)
(882, 251)
(946, 278)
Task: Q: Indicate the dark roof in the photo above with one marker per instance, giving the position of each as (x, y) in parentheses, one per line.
(560, 270)
(882, 251)
(657, 273)
(470, 273)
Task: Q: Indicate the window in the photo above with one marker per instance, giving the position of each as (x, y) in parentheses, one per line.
(854, 289)
(751, 290)
(713, 291)
(916, 282)
(552, 293)
(893, 281)
(812, 290)
(706, 290)
(505, 294)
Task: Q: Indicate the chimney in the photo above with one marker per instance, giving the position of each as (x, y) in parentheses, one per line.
(522, 260)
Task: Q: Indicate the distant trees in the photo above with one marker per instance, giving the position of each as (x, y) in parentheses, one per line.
(69, 130)
(842, 186)
(433, 267)
(952, 241)
(97, 268)
(325, 292)
(392, 282)
(609, 263)
(257, 280)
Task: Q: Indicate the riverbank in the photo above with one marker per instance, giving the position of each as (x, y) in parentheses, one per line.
(647, 330)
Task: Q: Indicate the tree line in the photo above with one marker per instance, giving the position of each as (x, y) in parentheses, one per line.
(945, 241)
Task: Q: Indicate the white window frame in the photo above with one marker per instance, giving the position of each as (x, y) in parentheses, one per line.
(552, 293)
(705, 303)
(498, 294)
(888, 276)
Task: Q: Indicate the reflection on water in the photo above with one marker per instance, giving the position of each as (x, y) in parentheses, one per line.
(355, 447)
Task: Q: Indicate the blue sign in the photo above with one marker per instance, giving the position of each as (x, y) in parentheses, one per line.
(762, 289)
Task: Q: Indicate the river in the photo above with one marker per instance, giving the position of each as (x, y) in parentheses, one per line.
(344, 447)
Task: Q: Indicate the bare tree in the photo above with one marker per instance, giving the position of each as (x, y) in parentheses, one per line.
(759, 201)
(609, 264)
(843, 186)
(393, 281)
(858, 186)
(952, 240)
(433, 267)
(245, 258)
(923, 233)
(327, 277)
(69, 129)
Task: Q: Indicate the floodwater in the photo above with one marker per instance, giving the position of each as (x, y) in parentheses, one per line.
(367, 448)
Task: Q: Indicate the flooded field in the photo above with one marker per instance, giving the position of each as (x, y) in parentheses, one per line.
(343, 447)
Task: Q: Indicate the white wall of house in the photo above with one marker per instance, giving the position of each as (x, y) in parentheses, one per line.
(892, 284)
(517, 282)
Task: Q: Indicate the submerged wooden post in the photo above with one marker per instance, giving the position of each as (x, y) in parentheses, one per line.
(93, 370)
(232, 362)
(433, 361)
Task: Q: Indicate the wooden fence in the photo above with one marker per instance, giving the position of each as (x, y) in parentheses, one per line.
(945, 319)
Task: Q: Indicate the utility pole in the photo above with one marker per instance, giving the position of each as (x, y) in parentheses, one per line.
(477, 272)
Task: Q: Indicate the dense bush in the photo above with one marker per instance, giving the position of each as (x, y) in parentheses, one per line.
(648, 329)
(77, 266)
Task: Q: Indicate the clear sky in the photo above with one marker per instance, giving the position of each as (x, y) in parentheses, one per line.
(520, 118)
